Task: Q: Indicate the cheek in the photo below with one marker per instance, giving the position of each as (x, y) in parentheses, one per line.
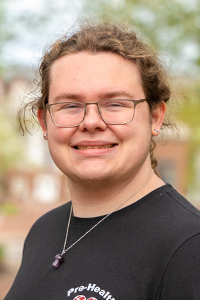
(142, 123)
(135, 137)
(58, 135)
(58, 143)
(137, 130)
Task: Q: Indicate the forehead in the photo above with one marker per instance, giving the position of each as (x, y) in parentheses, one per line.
(84, 72)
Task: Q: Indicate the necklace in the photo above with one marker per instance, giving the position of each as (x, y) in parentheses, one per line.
(59, 257)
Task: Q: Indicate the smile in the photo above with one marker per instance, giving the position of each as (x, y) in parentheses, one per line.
(94, 147)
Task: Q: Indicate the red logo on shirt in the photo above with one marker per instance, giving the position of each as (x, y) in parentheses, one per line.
(81, 297)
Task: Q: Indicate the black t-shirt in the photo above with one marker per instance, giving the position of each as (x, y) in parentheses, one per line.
(145, 251)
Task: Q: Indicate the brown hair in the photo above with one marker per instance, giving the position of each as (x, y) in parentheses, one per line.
(100, 36)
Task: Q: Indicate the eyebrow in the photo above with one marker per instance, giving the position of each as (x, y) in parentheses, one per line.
(78, 97)
(120, 93)
(65, 96)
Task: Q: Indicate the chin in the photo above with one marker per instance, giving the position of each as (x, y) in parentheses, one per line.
(90, 178)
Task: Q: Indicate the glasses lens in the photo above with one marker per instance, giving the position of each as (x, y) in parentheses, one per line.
(117, 111)
(67, 114)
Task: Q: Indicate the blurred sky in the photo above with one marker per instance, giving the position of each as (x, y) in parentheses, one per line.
(30, 43)
(59, 15)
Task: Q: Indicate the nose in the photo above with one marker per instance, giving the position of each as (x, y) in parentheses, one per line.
(92, 120)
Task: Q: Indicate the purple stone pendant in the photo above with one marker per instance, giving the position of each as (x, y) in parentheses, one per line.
(59, 259)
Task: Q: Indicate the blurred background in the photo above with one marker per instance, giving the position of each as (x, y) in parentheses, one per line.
(30, 184)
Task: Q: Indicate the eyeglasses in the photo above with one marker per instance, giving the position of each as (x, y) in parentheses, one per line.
(113, 112)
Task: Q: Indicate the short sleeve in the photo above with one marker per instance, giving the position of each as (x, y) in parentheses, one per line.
(181, 280)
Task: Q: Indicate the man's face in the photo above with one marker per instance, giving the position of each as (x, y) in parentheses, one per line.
(95, 150)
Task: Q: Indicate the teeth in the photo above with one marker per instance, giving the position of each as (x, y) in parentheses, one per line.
(94, 147)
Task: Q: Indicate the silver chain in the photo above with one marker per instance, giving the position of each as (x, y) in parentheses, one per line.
(105, 217)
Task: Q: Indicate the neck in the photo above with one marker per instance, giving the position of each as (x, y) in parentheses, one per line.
(94, 199)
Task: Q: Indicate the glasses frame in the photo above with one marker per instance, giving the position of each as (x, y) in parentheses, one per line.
(136, 102)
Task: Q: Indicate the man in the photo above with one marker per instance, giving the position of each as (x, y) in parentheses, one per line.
(125, 234)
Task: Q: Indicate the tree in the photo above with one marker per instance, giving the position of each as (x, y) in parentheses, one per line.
(172, 26)
(6, 32)
(11, 148)
(29, 25)
(10, 143)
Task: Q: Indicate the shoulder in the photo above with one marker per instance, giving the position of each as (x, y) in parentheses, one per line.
(50, 218)
(181, 278)
(48, 224)
(182, 210)
(177, 233)
(173, 209)
(183, 203)
(171, 218)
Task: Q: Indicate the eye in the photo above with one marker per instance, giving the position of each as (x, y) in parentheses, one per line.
(70, 106)
(114, 104)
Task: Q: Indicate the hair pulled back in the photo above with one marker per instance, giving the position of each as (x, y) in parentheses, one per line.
(100, 36)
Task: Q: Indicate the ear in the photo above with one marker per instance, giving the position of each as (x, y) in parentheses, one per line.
(42, 120)
(158, 115)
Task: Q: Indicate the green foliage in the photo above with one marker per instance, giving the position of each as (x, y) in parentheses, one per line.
(31, 24)
(8, 209)
(189, 109)
(7, 33)
(188, 112)
(2, 251)
(11, 149)
(171, 26)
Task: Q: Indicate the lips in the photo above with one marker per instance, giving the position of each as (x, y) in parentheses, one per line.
(82, 147)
